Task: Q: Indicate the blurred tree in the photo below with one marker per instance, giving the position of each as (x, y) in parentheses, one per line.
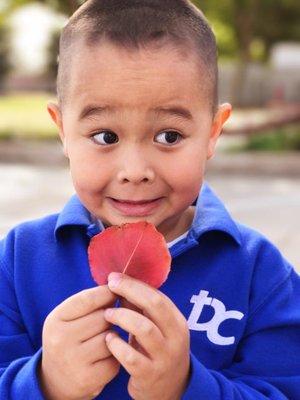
(66, 7)
(253, 26)
(267, 20)
(5, 65)
(278, 20)
(52, 55)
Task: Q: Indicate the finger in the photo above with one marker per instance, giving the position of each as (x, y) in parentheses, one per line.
(85, 302)
(106, 368)
(89, 326)
(154, 304)
(135, 344)
(135, 363)
(126, 304)
(146, 333)
(95, 349)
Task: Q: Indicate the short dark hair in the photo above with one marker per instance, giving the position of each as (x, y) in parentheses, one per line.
(136, 23)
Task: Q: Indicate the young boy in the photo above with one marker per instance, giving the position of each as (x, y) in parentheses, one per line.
(138, 117)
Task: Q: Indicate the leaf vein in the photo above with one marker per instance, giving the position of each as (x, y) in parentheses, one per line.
(138, 242)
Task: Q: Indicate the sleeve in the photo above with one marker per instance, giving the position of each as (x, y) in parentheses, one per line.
(18, 359)
(267, 361)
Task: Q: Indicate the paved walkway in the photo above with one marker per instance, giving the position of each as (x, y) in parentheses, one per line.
(269, 202)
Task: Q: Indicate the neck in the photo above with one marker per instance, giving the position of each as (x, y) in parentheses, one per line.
(182, 225)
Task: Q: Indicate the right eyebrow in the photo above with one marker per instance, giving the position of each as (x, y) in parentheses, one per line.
(90, 110)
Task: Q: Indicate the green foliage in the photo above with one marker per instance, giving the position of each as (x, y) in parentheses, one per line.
(66, 7)
(282, 139)
(226, 40)
(5, 65)
(260, 21)
(52, 55)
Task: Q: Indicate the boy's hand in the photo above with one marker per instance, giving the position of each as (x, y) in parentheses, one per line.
(157, 356)
(76, 363)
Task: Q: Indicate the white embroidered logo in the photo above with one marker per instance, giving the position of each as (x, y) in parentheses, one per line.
(211, 327)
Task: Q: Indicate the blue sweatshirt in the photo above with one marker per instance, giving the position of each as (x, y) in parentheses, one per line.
(240, 296)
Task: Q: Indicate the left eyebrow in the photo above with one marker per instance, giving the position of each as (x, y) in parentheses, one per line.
(176, 111)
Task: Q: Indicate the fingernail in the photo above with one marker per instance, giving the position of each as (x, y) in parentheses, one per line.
(108, 312)
(114, 279)
(108, 337)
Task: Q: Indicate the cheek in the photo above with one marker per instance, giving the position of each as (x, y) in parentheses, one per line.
(88, 172)
(188, 169)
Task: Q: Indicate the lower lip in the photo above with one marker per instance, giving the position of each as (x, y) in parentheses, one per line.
(135, 210)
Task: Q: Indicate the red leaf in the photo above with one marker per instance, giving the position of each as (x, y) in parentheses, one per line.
(136, 249)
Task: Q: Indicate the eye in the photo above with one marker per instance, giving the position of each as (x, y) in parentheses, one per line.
(170, 136)
(105, 137)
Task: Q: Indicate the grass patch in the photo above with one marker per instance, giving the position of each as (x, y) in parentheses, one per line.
(25, 116)
(286, 138)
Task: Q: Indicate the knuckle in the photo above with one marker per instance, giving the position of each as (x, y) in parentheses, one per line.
(95, 388)
(146, 328)
(115, 366)
(131, 359)
(88, 383)
(127, 283)
(93, 344)
(105, 293)
(133, 389)
(158, 372)
(156, 301)
(104, 371)
(85, 299)
(82, 384)
(112, 368)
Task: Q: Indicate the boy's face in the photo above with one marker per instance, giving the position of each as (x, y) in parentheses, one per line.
(130, 151)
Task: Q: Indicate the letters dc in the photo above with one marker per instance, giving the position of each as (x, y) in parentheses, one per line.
(211, 327)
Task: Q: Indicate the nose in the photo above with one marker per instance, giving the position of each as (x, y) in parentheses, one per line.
(135, 168)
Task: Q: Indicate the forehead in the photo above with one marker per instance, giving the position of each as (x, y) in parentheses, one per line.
(135, 79)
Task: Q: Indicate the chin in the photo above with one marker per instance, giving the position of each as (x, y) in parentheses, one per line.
(117, 221)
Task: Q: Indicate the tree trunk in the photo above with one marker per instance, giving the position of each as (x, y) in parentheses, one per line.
(245, 17)
(239, 78)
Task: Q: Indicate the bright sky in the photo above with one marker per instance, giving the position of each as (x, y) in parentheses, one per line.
(31, 26)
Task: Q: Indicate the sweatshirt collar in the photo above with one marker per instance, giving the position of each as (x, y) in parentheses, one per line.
(210, 215)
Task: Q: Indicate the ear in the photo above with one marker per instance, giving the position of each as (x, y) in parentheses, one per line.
(56, 117)
(222, 115)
